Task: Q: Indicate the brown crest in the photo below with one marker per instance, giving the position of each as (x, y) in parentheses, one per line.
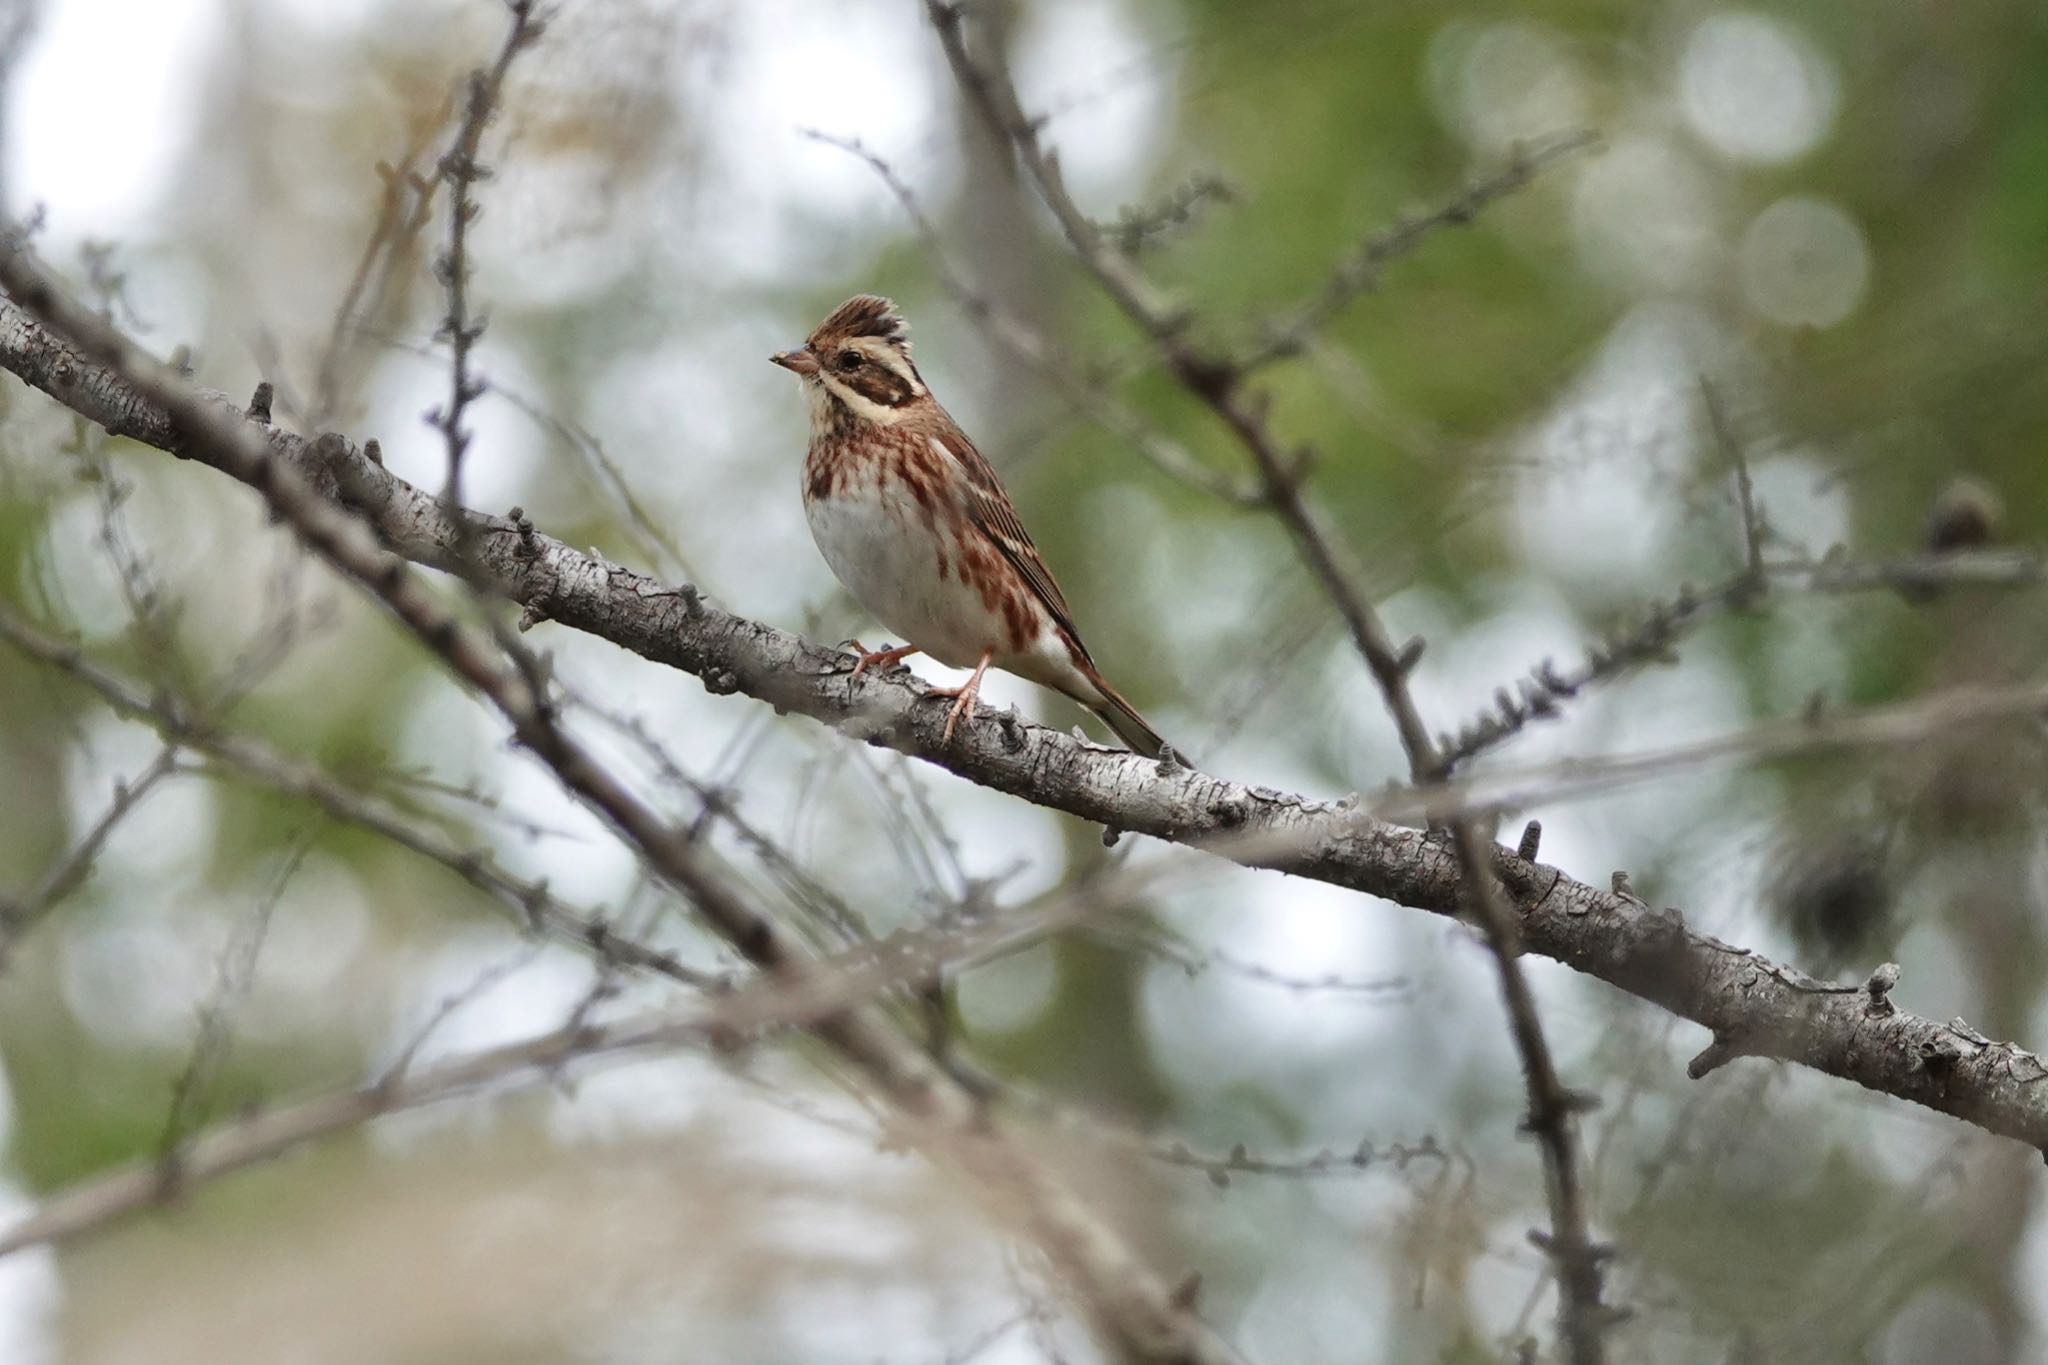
(863, 315)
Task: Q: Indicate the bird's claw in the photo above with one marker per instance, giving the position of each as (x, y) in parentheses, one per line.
(865, 658)
(963, 699)
(963, 704)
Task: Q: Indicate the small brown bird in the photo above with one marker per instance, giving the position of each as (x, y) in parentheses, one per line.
(915, 523)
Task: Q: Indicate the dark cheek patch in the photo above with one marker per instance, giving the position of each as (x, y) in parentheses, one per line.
(878, 384)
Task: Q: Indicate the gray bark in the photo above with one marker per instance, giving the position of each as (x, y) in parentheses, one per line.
(1751, 1005)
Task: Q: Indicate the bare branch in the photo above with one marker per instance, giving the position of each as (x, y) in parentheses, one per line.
(1131, 1308)
(462, 169)
(1216, 382)
(1648, 953)
(1819, 730)
(530, 904)
(1544, 691)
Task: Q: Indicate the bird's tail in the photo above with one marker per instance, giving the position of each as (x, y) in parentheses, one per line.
(1123, 718)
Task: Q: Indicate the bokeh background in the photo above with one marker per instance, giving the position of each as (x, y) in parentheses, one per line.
(1836, 217)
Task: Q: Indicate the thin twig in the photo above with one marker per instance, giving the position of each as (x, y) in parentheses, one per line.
(259, 1135)
(462, 171)
(451, 1005)
(1152, 940)
(529, 903)
(17, 917)
(217, 1019)
(1820, 730)
(1754, 530)
(1141, 229)
(404, 205)
(1545, 690)
(1360, 272)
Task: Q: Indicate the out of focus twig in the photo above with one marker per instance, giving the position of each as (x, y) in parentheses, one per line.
(1360, 272)
(244, 756)
(1820, 730)
(265, 1132)
(1543, 692)
(404, 206)
(1139, 229)
(216, 1031)
(17, 917)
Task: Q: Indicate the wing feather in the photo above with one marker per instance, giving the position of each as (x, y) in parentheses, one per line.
(989, 508)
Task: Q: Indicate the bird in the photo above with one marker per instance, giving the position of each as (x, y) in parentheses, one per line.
(913, 520)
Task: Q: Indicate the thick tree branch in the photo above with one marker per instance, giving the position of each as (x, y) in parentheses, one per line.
(1764, 1007)
(1135, 1312)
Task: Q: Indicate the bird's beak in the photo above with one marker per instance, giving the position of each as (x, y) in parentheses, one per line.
(801, 363)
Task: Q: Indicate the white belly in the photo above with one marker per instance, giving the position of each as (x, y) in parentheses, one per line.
(890, 562)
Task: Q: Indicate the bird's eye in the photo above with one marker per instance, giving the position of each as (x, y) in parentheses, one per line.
(850, 360)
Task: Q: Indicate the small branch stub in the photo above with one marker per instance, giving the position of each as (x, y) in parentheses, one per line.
(529, 543)
(1717, 1054)
(1940, 1055)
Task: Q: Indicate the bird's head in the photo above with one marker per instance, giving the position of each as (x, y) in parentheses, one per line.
(856, 367)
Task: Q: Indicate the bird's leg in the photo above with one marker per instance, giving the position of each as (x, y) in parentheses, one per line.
(877, 658)
(964, 696)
